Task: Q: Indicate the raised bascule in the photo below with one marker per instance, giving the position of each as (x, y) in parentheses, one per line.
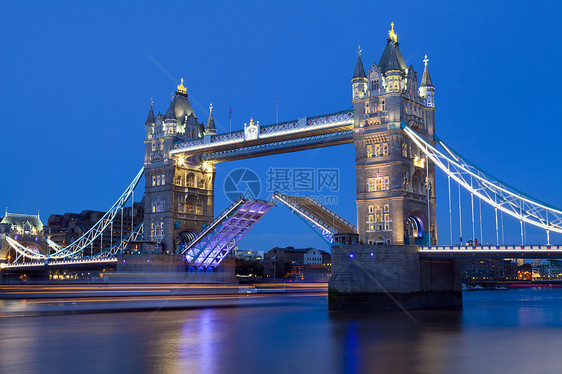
(392, 126)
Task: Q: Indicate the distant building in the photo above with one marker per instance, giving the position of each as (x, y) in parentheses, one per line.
(487, 269)
(287, 254)
(317, 257)
(302, 263)
(27, 229)
(247, 255)
(66, 228)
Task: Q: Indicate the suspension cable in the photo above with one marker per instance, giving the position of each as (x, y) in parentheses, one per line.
(460, 214)
(503, 238)
(472, 211)
(513, 203)
(480, 211)
(450, 212)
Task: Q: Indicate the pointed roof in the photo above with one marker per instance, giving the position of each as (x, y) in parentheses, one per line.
(426, 78)
(150, 116)
(180, 107)
(170, 113)
(391, 58)
(211, 121)
(359, 70)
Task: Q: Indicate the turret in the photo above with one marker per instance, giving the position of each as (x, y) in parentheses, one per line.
(392, 64)
(210, 128)
(149, 123)
(427, 90)
(359, 80)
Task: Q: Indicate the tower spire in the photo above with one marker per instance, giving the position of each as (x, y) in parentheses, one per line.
(150, 116)
(181, 88)
(170, 113)
(210, 129)
(391, 34)
(426, 78)
(359, 70)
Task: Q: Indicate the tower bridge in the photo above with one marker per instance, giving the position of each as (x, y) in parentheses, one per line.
(392, 126)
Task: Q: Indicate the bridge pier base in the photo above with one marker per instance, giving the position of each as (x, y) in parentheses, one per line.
(391, 278)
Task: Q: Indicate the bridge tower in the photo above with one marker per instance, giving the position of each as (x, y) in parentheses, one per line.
(393, 177)
(179, 192)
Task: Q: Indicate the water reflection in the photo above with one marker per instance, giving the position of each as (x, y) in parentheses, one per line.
(496, 332)
(391, 343)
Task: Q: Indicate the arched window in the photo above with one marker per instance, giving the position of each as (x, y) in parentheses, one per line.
(190, 180)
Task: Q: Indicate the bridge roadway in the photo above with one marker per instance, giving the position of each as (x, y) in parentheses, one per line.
(60, 264)
(489, 251)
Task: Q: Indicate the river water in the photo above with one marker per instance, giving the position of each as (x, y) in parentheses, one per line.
(515, 331)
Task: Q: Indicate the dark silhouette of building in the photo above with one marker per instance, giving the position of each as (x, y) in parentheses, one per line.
(65, 228)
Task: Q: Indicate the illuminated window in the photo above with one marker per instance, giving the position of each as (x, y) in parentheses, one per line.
(385, 149)
(163, 179)
(387, 221)
(378, 184)
(154, 180)
(370, 209)
(377, 150)
(158, 207)
(190, 180)
(369, 151)
(189, 207)
(404, 150)
(158, 180)
(198, 209)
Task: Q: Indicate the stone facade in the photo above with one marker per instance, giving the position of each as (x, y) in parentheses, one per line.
(27, 229)
(393, 177)
(378, 278)
(179, 191)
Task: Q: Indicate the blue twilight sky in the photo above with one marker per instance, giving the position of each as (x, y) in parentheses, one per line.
(76, 79)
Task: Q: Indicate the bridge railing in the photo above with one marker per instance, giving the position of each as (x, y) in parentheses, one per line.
(267, 131)
(513, 248)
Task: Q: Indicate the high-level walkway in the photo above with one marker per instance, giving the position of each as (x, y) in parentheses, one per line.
(300, 134)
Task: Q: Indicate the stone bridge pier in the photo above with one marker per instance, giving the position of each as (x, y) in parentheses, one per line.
(391, 278)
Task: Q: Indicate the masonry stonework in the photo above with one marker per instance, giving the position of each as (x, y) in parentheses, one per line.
(386, 278)
(179, 191)
(394, 180)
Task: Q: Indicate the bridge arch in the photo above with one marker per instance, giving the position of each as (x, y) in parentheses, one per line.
(415, 226)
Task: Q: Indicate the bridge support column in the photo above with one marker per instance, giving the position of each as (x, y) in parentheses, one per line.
(387, 278)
